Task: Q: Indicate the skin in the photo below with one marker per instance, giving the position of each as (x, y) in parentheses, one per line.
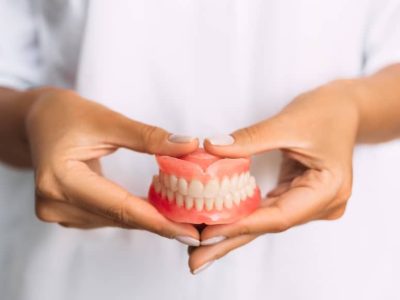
(316, 134)
(63, 136)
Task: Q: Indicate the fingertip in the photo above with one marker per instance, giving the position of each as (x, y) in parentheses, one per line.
(179, 145)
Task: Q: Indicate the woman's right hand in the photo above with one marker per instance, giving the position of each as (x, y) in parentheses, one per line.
(67, 136)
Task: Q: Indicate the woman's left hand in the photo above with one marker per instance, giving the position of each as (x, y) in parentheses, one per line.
(316, 134)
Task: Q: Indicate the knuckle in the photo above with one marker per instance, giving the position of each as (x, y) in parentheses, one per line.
(45, 185)
(44, 212)
(337, 213)
(117, 212)
(152, 138)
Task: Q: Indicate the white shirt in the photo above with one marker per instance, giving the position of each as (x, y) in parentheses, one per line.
(200, 67)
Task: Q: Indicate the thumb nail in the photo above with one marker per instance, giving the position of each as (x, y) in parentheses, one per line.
(203, 267)
(221, 140)
(180, 139)
(187, 240)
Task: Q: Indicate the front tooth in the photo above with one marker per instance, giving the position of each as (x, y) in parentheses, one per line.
(170, 195)
(199, 203)
(182, 186)
(234, 182)
(219, 203)
(163, 192)
(209, 202)
(249, 191)
(236, 197)
(211, 188)
(156, 184)
(195, 189)
(241, 181)
(166, 180)
(189, 202)
(179, 200)
(228, 201)
(243, 195)
(224, 188)
(173, 183)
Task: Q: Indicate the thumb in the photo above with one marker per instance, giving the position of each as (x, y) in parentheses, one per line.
(150, 139)
(264, 136)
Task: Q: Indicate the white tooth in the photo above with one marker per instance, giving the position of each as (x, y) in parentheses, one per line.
(228, 201)
(161, 178)
(209, 202)
(211, 189)
(166, 180)
(236, 198)
(182, 186)
(234, 182)
(179, 200)
(246, 177)
(189, 202)
(173, 183)
(252, 182)
(224, 188)
(195, 188)
(199, 203)
(249, 191)
(243, 194)
(219, 203)
(156, 184)
(163, 192)
(241, 181)
(170, 195)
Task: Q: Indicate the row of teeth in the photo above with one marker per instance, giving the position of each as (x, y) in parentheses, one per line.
(214, 194)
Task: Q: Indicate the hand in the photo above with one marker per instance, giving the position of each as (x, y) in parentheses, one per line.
(316, 134)
(68, 135)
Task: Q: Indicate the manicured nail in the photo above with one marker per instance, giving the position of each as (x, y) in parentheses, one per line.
(180, 139)
(221, 140)
(187, 240)
(203, 267)
(213, 240)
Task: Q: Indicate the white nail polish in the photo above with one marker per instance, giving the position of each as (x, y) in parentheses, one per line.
(203, 267)
(180, 139)
(187, 240)
(213, 240)
(221, 140)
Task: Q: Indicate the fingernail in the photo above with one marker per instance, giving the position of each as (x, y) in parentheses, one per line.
(221, 140)
(180, 139)
(203, 267)
(213, 240)
(187, 240)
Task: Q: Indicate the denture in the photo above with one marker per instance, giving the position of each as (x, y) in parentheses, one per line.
(203, 188)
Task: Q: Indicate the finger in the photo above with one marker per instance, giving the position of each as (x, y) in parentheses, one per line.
(61, 212)
(100, 196)
(206, 254)
(149, 139)
(307, 198)
(264, 136)
(279, 190)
